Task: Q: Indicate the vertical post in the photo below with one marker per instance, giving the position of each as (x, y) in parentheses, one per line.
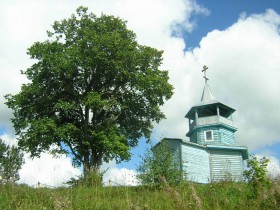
(218, 113)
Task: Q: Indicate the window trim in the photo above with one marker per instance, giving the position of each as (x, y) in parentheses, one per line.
(205, 136)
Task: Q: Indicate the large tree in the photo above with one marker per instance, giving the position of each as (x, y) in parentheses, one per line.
(93, 91)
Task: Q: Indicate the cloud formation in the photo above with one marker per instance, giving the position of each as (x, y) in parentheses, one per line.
(46, 170)
(244, 73)
(243, 63)
(273, 168)
(25, 22)
(115, 176)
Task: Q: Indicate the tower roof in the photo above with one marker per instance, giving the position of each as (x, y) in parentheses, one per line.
(207, 95)
(208, 103)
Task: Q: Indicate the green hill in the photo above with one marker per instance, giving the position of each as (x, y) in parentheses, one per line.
(225, 195)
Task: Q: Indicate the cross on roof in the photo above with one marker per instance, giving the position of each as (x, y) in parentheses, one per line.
(204, 70)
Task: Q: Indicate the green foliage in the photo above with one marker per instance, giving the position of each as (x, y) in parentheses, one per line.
(11, 160)
(160, 166)
(92, 88)
(256, 175)
(92, 180)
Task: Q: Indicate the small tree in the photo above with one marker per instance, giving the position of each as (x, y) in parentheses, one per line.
(159, 166)
(256, 175)
(11, 160)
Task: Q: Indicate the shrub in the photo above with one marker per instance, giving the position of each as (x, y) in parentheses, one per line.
(256, 175)
(92, 180)
(11, 160)
(159, 166)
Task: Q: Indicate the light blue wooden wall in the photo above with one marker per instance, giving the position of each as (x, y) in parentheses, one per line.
(227, 136)
(216, 135)
(193, 137)
(226, 165)
(204, 164)
(195, 162)
(221, 136)
(175, 146)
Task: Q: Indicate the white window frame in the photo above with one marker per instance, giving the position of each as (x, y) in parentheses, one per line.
(212, 136)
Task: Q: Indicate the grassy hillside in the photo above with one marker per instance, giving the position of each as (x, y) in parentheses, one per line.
(186, 196)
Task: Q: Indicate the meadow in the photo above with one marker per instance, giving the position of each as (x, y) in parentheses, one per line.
(224, 195)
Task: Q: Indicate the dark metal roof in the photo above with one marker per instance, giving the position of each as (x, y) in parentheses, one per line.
(208, 106)
(209, 109)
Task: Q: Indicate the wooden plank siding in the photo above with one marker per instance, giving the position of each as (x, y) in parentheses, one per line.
(195, 162)
(226, 165)
(221, 135)
(227, 136)
(175, 147)
(193, 137)
(208, 163)
(216, 135)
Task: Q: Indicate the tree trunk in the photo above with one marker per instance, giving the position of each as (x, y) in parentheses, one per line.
(86, 166)
(92, 163)
(86, 155)
(96, 161)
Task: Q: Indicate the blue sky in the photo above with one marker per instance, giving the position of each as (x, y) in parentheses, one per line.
(239, 40)
(222, 14)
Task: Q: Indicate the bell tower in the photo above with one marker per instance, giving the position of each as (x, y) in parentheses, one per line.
(210, 121)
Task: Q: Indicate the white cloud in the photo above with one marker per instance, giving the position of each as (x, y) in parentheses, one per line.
(273, 166)
(47, 170)
(243, 63)
(24, 22)
(120, 177)
(8, 139)
(244, 73)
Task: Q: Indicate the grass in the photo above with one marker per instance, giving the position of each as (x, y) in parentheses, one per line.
(225, 195)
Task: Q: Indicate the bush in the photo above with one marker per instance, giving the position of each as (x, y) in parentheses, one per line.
(256, 175)
(159, 167)
(92, 180)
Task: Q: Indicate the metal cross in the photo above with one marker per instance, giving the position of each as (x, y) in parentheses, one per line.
(204, 70)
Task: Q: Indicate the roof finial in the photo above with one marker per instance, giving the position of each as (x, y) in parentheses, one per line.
(204, 70)
(207, 94)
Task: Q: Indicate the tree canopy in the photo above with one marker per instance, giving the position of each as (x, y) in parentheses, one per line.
(93, 91)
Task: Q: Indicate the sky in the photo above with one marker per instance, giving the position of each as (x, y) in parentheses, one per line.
(239, 40)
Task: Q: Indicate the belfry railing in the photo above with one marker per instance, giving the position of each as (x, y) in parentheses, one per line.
(211, 120)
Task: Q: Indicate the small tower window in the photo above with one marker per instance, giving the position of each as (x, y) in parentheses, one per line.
(208, 135)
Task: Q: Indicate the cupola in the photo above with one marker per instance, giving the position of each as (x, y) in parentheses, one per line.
(210, 121)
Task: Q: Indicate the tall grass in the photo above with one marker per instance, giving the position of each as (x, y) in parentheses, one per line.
(226, 195)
